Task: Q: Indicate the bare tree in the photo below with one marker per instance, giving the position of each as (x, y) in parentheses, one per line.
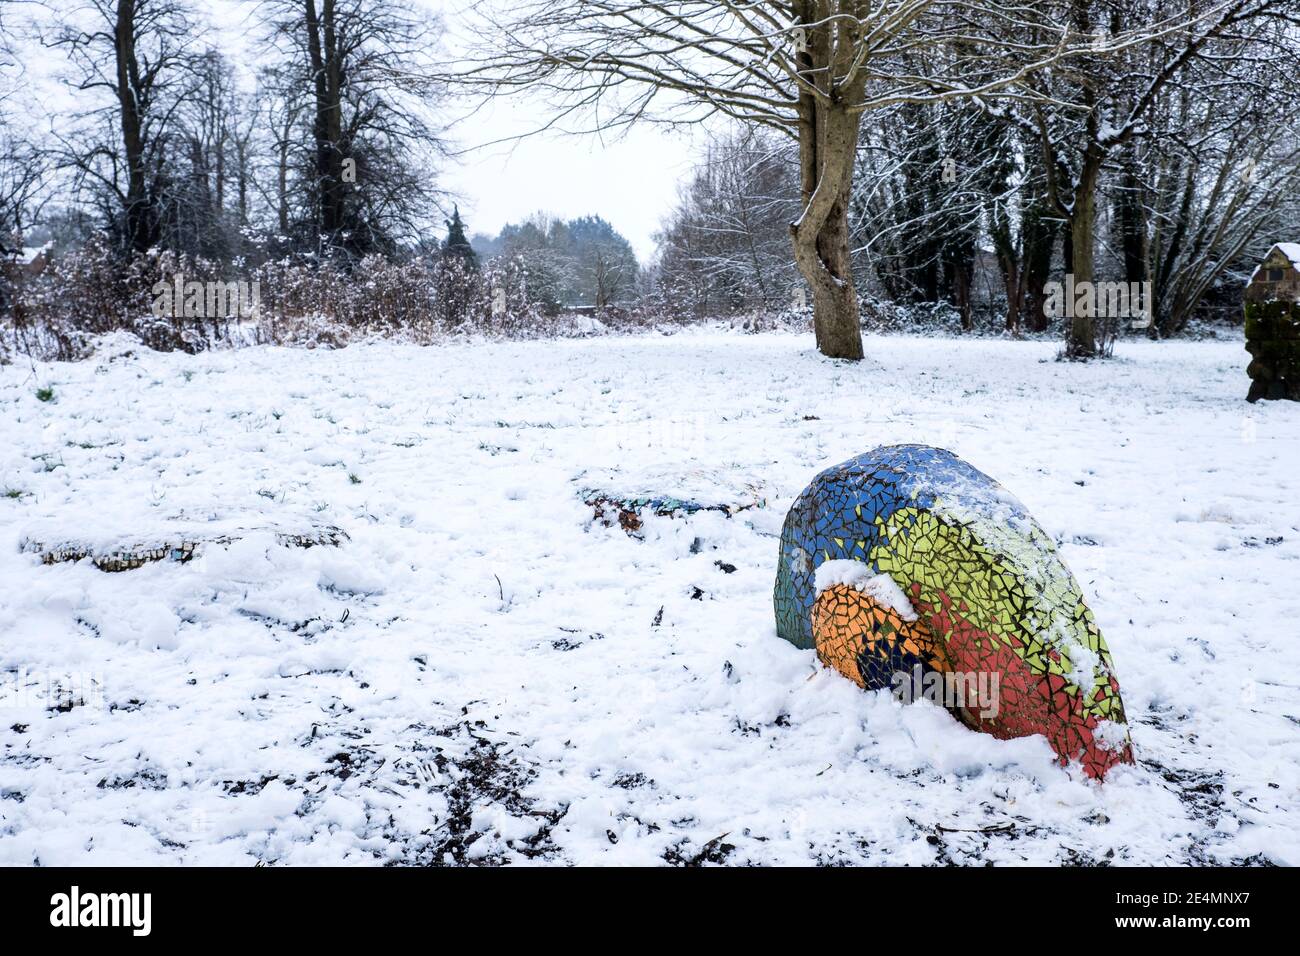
(539, 248)
(23, 175)
(604, 267)
(208, 140)
(279, 106)
(726, 243)
(925, 176)
(358, 72)
(138, 52)
(24, 165)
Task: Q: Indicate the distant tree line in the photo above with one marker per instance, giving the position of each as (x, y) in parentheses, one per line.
(566, 263)
(957, 154)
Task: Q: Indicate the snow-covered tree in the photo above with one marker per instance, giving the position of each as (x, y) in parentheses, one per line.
(725, 245)
(809, 69)
(1084, 116)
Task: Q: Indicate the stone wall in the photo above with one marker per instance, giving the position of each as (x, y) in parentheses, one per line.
(1273, 341)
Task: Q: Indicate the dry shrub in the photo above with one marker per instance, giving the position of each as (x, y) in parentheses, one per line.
(80, 296)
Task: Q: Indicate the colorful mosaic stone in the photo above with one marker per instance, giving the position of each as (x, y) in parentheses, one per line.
(987, 607)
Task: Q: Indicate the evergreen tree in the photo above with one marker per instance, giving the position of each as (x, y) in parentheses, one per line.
(456, 276)
(457, 242)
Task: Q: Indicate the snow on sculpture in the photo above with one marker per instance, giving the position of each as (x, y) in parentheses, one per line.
(908, 561)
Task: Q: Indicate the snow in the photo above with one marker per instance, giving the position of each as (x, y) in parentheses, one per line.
(1111, 734)
(28, 254)
(1292, 252)
(664, 485)
(479, 672)
(858, 576)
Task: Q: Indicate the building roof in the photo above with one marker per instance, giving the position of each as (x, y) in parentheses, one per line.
(1289, 249)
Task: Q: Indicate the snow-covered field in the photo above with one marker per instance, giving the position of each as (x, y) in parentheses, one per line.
(479, 672)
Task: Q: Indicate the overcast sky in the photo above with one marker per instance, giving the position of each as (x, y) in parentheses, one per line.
(630, 180)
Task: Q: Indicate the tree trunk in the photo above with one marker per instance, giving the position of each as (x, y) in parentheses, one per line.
(1009, 260)
(959, 284)
(220, 174)
(1081, 343)
(1130, 216)
(282, 171)
(1012, 281)
(323, 53)
(1039, 241)
(241, 153)
(824, 263)
(138, 215)
(1081, 338)
(828, 139)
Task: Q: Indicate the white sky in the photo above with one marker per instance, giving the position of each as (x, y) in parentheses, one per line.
(630, 181)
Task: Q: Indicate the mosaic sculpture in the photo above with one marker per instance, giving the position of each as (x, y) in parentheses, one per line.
(907, 568)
